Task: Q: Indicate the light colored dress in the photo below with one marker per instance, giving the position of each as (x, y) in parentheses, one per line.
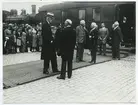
(34, 38)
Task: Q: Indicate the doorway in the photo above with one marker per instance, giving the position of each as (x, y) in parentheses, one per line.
(127, 22)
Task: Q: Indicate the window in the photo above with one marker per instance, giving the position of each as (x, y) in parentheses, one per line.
(57, 14)
(82, 14)
(96, 14)
(108, 13)
(73, 13)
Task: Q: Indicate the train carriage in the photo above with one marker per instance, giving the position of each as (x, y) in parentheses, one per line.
(106, 12)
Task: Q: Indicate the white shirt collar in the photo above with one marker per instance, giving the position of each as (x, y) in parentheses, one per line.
(69, 26)
(47, 21)
(116, 27)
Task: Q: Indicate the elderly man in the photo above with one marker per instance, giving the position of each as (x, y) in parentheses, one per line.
(48, 50)
(80, 40)
(117, 37)
(67, 45)
(103, 34)
(93, 41)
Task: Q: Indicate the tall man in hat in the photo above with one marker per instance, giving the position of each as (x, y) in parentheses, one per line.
(48, 48)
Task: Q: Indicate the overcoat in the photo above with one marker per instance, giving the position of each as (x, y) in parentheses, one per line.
(67, 45)
(93, 38)
(48, 48)
(117, 37)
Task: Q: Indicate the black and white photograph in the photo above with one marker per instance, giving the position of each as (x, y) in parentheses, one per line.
(68, 52)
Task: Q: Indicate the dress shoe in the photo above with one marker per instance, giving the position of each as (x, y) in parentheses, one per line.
(69, 77)
(100, 54)
(59, 77)
(45, 72)
(113, 58)
(56, 71)
(118, 58)
(92, 61)
(104, 54)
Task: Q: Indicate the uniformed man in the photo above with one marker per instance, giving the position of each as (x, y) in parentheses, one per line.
(103, 35)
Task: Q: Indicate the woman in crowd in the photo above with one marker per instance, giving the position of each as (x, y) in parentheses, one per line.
(13, 38)
(39, 37)
(23, 40)
(93, 41)
(18, 40)
(34, 39)
(39, 40)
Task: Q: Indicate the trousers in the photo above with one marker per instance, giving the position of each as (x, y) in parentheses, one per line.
(66, 63)
(80, 51)
(53, 63)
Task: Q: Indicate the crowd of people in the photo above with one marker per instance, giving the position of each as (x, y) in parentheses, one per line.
(21, 38)
(61, 41)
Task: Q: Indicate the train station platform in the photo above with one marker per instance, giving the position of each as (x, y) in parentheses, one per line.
(23, 68)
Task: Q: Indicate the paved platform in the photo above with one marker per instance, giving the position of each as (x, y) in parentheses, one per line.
(109, 82)
(21, 73)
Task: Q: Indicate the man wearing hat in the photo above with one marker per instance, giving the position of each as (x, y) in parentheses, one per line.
(48, 50)
(117, 38)
(67, 45)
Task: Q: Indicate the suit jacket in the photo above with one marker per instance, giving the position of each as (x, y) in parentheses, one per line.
(103, 33)
(67, 45)
(80, 34)
(47, 42)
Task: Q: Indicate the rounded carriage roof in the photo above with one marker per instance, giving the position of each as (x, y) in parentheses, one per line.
(66, 5)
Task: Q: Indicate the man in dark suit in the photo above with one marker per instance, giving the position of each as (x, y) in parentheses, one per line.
(117, 38)
(48, 48)
(67, 45)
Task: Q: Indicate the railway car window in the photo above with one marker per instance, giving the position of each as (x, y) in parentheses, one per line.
(73, 13)
(96, 14)
(57, 14)
(82, 14)
(108, 13)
